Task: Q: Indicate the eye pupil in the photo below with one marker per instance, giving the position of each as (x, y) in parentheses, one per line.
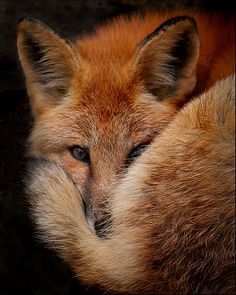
(79, 153)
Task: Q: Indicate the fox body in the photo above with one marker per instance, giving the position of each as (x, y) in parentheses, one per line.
(100, 100)
(172, 227)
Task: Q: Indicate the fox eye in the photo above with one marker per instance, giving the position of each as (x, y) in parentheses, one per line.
(79, 153)
(136, 152)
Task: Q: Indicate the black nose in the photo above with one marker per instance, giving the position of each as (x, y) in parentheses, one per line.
(99, 221)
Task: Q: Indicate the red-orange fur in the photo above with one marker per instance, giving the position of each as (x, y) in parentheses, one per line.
(115, 90)
(116, 42)
(107, 107)
(173, 214)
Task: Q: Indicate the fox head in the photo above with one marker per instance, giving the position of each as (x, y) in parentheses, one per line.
(99, 101)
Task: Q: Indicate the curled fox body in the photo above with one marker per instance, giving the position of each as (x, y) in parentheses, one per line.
(100, 100)
(172, 225)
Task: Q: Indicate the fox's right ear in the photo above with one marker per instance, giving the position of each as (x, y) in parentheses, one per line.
(48, 62)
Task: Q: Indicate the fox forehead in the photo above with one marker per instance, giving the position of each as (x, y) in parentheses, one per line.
(105, 91)
(116, 96)
(95, 120)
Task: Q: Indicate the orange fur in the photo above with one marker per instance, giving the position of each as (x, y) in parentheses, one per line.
(112, 91)
(172, 215)
(116, 42)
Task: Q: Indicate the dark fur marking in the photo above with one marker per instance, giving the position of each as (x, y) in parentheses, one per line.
(45, 73)
(44, 25)
(33, 50)
(165, 26)
(181, 52)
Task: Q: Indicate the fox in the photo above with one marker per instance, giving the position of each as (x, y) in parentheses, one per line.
(172, 216)
(99, 100)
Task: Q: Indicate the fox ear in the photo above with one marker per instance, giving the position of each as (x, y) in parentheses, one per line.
(48, 62)
(166, 60)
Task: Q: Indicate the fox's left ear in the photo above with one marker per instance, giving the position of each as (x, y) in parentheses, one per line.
(166, 60)
(48, 62)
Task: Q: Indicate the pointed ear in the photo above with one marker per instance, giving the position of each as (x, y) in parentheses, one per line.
(48, 62)
(166, 60)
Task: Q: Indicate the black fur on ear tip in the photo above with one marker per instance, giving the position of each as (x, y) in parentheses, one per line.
(177, 19)
(31, 19)
(21, 19)
(43, 24)
(168, 23)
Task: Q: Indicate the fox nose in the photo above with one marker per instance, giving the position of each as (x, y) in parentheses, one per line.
(101, 225)
(98, 220)
(100, 210)
(97, 197)
(89, 215)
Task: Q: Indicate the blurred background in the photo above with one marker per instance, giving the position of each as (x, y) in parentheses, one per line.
(25, 265)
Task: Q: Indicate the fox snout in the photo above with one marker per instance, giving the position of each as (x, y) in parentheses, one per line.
(98, 217)
(96, 205)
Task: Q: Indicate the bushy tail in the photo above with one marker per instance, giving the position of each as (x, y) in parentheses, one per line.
(58, 211)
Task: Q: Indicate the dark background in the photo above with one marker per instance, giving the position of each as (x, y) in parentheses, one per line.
(25, 265)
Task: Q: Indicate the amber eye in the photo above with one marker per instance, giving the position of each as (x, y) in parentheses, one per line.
(136, 152)
(79, 153)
